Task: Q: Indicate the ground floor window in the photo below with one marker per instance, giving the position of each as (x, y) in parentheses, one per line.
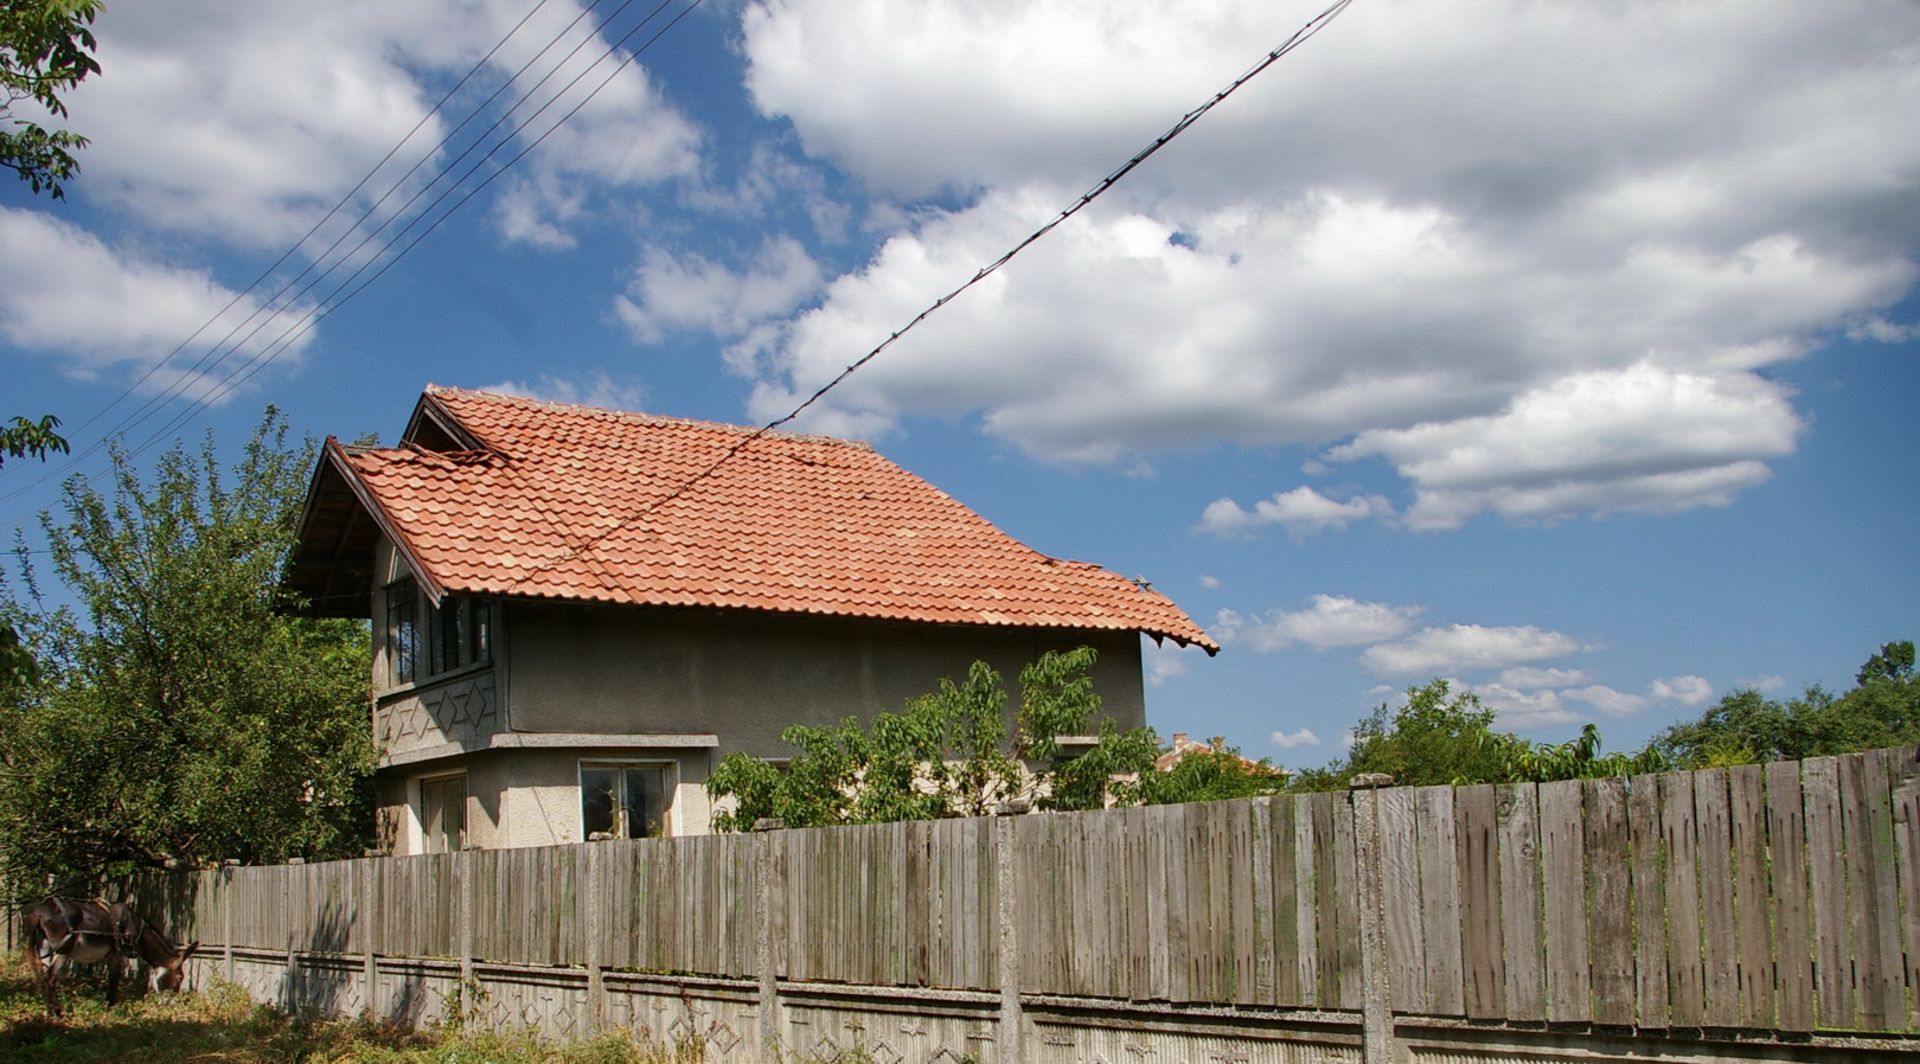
(443, 814)
(623, 801)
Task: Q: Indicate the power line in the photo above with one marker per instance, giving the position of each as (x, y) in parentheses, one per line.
(245, 371)
(168, 394)
(1300, 36)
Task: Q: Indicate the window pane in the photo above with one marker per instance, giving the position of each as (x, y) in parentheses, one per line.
(646, 806)
(443, 813)
(482, 631)
(598, 799)
(403, 635)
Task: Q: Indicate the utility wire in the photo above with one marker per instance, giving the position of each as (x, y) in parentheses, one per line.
(167, 395)
(262, 359)
(1300, 36)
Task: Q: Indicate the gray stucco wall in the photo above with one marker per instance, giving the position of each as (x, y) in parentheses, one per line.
(744, 676)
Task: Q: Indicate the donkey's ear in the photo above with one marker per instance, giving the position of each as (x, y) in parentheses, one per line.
(191, 946)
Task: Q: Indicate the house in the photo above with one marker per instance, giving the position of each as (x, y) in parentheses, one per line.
(1182, 748)
(577, 612)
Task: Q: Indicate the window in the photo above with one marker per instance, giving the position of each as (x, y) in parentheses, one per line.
(623, 801)
(424, 641)
(443, 814)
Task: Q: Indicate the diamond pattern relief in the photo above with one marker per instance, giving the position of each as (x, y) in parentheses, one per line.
(722, 1037)
(883, 1053)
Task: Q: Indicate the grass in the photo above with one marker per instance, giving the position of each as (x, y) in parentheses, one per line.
(224, 1027)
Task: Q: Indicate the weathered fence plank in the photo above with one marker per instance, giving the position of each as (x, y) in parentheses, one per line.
(1649, 902)
(1754, 954)
(1872, 894)
(1400, 890)
(1609, 900)
(1686, 991)
(1477, 833)
(1903, 770)
(1518, 809)
(1563, 846)
(1787, 852)
(1827, 876)
(1714, 853)
(1440, 898)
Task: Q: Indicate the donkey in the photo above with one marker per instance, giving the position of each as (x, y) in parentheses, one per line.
(63, 933)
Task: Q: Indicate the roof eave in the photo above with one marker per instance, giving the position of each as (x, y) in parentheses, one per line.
(337, 455)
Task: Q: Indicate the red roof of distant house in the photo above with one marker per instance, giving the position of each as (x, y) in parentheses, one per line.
(497, 495)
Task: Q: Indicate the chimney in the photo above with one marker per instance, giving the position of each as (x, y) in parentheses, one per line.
(1179, 739)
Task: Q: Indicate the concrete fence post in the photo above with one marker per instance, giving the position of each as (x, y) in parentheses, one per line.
(1376, 998)
(1012, 1023)
(226, 918)
(370, 917)
(596, 947)
(464, 945)
(291, 916)
(768, 1019)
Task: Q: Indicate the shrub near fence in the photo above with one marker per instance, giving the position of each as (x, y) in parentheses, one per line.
(1782, 898)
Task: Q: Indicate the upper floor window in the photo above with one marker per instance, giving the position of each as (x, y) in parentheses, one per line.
(424, 640)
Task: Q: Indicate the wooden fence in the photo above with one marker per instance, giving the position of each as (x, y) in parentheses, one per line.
(1780, 898)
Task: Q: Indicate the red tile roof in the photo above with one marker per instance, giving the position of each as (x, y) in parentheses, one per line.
(571, 502)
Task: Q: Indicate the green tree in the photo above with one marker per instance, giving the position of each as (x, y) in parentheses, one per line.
(179, 713)
(1744, 726)
(26, 438)
(1438, 737)
(1212, 776)
(46, 48)
(947, 753)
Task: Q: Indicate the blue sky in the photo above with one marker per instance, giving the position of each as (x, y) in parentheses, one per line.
(1566, 351)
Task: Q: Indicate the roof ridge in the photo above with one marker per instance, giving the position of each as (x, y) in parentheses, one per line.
(642, 418)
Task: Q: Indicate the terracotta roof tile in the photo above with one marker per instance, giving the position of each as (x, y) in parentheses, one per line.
(572, 502)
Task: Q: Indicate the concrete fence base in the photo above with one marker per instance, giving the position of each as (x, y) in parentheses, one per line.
(902, 1026)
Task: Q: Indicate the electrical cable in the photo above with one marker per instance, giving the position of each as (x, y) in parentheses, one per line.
(1312, 27)
(167, 395)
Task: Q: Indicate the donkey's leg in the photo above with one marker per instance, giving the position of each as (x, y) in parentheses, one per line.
(116, 965)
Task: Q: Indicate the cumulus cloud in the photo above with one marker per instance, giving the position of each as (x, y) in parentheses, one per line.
(1881, 330)
(1686, 690)
(1328, 621)
(1459, 647)
(1607, 700)
(1301, 511)
(1521, 709)
(598, 389)
(1286, 740)
(1164, 661)
(134, 308)
(1528, 677)
(1501, 235)
(670, 293)
(247, 122)
(1209, 582)
(1640, 438)
(1770, 682)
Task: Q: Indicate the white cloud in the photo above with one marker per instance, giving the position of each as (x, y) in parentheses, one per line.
(1461, 647)
(671, 293)
(94, 307)
(1524, 710)
(1301, 511)
(599, 389)
(1328, 621)
(1346, 738)
(1290, 740)
(1496, 232)
(246, 122)
(1607, 700)
(1164, 661)
(1209, 582)
(1640, 438)
(1770, 682)
(1529, 677)
(1686, 690)
(1879, 329)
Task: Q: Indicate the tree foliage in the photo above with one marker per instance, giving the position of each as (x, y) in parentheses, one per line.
(177, 713)
(1438, 736)
(947, 753)
(1212, 775)
(46, 48)
(1745, 726)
